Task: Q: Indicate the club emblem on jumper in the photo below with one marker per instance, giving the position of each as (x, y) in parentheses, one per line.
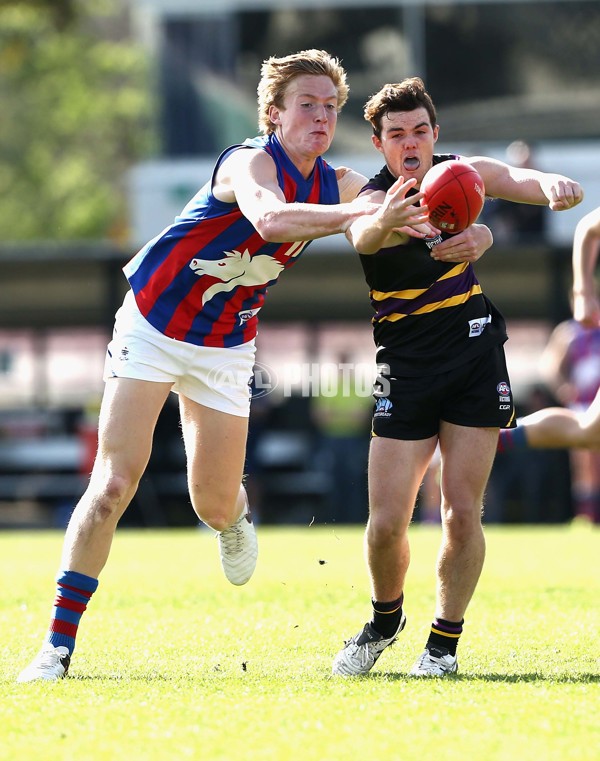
(237, 268)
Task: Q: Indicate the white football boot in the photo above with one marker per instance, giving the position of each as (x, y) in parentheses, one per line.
(50, 664)
(435, 661)
(238, 548)
(360, 653)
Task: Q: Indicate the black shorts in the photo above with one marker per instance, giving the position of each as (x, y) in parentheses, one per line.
(476, 394)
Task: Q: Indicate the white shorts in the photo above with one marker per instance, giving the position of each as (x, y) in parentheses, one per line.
(215, 377)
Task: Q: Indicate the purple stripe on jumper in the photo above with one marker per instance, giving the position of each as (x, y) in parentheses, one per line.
(439, 291)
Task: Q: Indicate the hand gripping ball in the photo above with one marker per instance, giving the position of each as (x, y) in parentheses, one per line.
(454, 193)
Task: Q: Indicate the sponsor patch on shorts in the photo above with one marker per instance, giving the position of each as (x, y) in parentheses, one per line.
(383, 407)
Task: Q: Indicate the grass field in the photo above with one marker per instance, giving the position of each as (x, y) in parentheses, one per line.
(174, 663)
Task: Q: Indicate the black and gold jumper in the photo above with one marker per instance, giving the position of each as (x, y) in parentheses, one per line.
(430, 316)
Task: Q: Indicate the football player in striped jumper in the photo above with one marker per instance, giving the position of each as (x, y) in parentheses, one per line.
(188, 325)
(443, 378)
(577, 428)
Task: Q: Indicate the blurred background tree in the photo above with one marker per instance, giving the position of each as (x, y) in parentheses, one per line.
(77, 111)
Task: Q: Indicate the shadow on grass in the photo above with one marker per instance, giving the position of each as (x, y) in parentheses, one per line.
(584, 678)
(388, 676)
(156, 677)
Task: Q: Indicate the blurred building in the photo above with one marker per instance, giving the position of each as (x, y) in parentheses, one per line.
(497, 71)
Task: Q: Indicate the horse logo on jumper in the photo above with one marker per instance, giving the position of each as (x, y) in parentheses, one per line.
(236, 269)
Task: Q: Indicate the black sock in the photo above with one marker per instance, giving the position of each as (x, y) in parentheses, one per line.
(445, 634)
(386, 616)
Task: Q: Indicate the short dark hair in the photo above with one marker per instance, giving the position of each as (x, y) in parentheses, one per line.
(407, 95)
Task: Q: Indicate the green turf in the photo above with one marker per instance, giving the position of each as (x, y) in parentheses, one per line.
(174, 663)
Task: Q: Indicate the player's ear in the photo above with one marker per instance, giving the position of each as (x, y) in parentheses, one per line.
(436, 133)
(274, 115)
(377, 143)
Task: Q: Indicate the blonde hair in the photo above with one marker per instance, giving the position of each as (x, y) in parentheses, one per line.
(277, 73)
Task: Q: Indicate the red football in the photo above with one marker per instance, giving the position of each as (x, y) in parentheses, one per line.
(455, 194)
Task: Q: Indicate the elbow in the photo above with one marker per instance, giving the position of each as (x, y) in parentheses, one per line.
(358, 244)
(270, 229)
(362, 247)
(366, 250)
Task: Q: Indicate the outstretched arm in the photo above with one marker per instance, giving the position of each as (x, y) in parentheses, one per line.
(527, 185)
(249, 178)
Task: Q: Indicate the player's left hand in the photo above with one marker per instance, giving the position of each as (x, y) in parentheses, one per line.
(563, 193)
(467, 246)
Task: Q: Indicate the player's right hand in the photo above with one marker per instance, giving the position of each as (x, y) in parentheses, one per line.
(403, 214)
